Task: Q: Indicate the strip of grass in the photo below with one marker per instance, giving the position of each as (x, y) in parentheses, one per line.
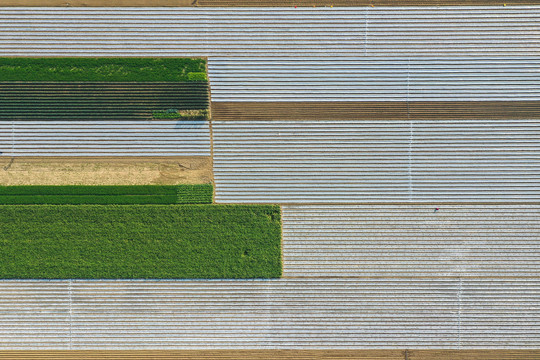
(102, 69)
(140, 242)
(89, 190)
(82, 194)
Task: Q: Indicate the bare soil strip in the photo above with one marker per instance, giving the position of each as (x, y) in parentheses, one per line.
(261, 3)
(105, 170)
(375, 110)
(276, 354)
(473, 354)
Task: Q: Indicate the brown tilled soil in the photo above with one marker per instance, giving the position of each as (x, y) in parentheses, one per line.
(265, 3)
(96, 3)
(308, 110)
(375, 110)
(277, 355)
(105, 170)
(473, 354)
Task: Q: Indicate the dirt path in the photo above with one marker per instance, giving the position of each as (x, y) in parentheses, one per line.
(374, 110)
(105, 170)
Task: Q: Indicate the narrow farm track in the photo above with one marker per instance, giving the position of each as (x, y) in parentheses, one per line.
(325, 162)
(332, 32)
(46, 101)
(411, 240)
(373, 110)
(257, 314)
(105, 138)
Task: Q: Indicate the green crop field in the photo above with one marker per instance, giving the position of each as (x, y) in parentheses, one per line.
(131, 194)
(102, 69)
(195, 194)
(133, 241)
(98, 101)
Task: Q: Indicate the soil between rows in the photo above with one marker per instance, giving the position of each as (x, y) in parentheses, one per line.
(374, 110)
(105, 170)
(261, 3)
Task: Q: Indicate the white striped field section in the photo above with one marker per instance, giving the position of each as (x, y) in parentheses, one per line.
(374, 79)
(499, 312)
(281, 31)
(310, 161)
(34, 314)
(286, 313)
(104, 138)
(292, 162)
(465, 160)
(411, 240)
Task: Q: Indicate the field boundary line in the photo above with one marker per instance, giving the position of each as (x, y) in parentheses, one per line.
(70, 291)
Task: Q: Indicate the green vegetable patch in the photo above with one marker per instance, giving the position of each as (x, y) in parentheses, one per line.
(140, 242)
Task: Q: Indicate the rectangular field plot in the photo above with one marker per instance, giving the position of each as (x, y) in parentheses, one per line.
(333, 313)
(119, 195)
(82, 89)
(411, 240)
(310, 161)
(108, 69)
(293, 162)
(282, 31)
(373, 79)
(105, 138)
(478, 160)
(132, 241)
(97, 101)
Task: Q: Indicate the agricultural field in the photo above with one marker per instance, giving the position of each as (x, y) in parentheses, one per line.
(140, 241)
(133, 170)
(101, 69)
(47, 89)
(120, 195)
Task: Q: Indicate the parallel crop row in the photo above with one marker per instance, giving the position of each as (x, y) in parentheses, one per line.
(102, 69)
(119, 195)
(195, 194)
(98, 101)
(153, 241)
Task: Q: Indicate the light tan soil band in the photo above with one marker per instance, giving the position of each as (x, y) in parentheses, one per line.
(105, 170)
(375, 110)
(276, 355)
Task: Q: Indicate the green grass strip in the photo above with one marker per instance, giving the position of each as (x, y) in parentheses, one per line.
(195, 194)
(87, 199)
(89, 189)
(140, 242)
(102, 69)
(130, 194)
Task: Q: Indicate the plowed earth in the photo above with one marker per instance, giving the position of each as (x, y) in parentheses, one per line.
(105, 170)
